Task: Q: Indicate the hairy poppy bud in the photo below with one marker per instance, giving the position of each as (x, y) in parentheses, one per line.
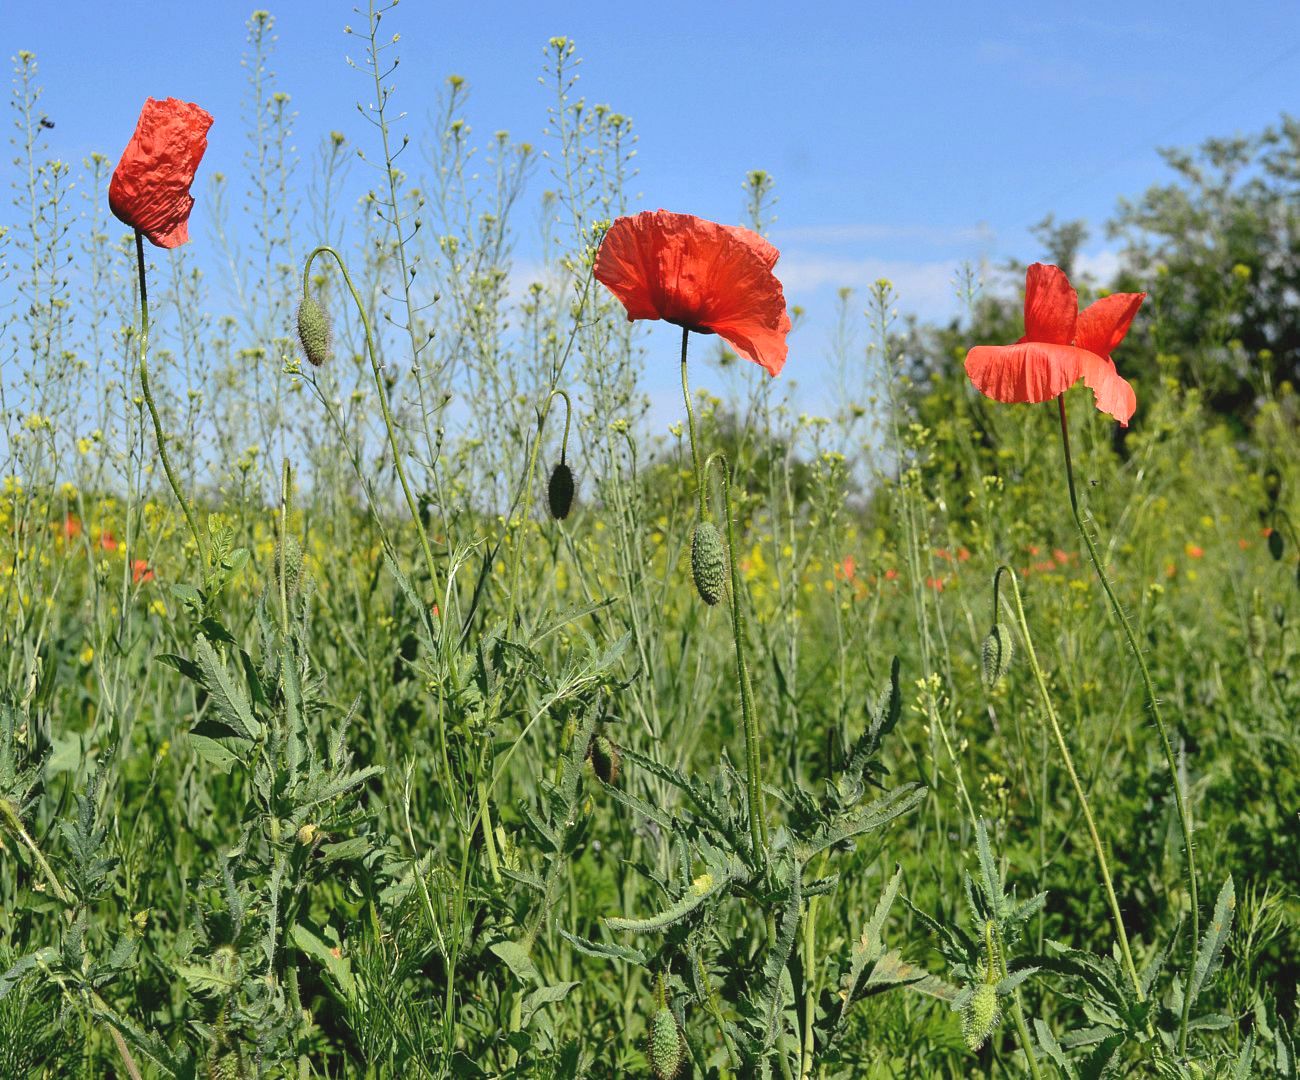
(667, 1048)
(559, 492)
(995, 655)
(1275, 544)
(980, 1015)
(307, 834)
(708, 562)
(313, 330)
(605, 759)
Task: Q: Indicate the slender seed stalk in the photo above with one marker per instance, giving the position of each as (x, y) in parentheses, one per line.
(159, 435)
(700, 490)
(1098, 850)
(1153, 706)
(389, 424)
(749, 718)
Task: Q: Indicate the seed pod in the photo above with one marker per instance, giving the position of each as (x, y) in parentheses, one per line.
(667, 1047)
(1275, 544)
(1256, 635)
(559, 492)
(313, 330)
(708, 562)
(980, 1015)
(995, 655)
(605, 759)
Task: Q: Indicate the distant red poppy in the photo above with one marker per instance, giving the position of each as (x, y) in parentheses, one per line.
(1061, 345)
(108, 541)
(140, 571)
(697, 274)
(150, 189)
(71, 527)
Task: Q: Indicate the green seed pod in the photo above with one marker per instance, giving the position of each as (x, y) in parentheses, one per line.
(559, 492)
(313, 330)
(1275, 544)
(708, 562)
(980, 1015)
(995, 655)
(667, 1047)
(1257, 635)
(605, 759)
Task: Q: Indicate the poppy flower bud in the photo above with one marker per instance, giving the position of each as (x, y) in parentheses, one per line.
(1276, 545)
(995, 655)
(667, 1047)
(980, 1015)
(708, 562)
(559, 492)
(313, 330)
(605, 759)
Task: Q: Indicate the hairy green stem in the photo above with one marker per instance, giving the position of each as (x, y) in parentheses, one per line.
(749, 717)
(159, 435)
(1153, 706)
(700, 491)
(1098, 850)
(389, 424)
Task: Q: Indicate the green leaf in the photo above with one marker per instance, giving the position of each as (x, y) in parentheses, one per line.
(605, 950)
(1216, 934)
(516, 958)
(332, 958)
(543, 996)
(228, 697)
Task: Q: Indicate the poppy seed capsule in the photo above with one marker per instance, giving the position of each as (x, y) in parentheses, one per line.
(995, 655)
(708, 562)
(605, 759)
(667, 1048)
(313, 330)
(559, 492)
(980, 1015)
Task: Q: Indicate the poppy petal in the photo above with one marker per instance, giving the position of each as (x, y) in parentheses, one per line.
(700, 275)
(1103, 324)
(150, 188)
(1051, 305)
(1028, 371)
(1112, 392)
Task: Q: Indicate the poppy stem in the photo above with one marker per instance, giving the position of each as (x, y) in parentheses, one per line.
(1153, 707)
(389, 424)
(690, 423)
(749, 717)
(159, 435)
(1098, 849)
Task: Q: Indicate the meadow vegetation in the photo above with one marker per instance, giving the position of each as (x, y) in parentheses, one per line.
(370, 744)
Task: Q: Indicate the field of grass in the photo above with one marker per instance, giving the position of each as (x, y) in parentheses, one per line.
(327, 749)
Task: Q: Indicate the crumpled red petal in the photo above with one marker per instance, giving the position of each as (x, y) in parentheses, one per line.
(1028, 371)
(150, 189)
(701, 275)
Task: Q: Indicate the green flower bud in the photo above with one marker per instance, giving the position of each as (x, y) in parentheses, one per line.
(995, 655)
(313, 330)
(605, 759)
(559, 492)
(980, 1015)
(708, 562)
(667, 1047)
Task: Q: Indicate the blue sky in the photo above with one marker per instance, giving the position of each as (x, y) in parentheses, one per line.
(903, 137)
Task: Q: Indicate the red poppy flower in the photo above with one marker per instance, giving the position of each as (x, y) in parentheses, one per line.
(140, 571)
(150, 189)
(1061, 346)
(697, 274)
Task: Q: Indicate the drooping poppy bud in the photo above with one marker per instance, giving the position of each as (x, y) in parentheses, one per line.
(1275, 544)
(606, 762)
(559, 492)
(708, 562)
(150, 189)
(313, 330)
(667, 1048)
(995, 655)
(980, 1015)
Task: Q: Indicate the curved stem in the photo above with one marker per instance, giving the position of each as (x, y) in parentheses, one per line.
(1098, 850)
(749, 718)
(516, 555)
(159, 436)
(1153, 707)
(389, 423)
